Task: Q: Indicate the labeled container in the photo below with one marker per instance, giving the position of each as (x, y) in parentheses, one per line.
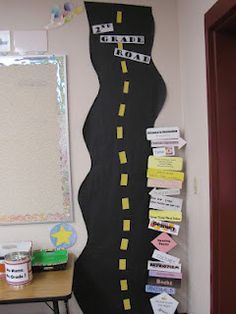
(18, 268)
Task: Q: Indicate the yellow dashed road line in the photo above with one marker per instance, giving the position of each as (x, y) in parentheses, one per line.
(119, 17)
(121, 112)
(126, 87)
(127, 304)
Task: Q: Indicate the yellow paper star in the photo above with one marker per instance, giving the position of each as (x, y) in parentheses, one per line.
(62, 236)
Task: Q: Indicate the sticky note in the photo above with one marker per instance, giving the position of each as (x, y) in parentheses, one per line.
(121, 112)
(122, 264)
(165, 175)
(119, 17)
(123, 285)
(127, 304)
(125, 203)
(119, 132)
(124, 179)
(165, 163)
(126, 224)
(120, 45)
(166, 215)
(124, 244)
(124, 67)
(126, 87)
(123, 157)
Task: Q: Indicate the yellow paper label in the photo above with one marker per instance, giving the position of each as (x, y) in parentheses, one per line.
(126, 225)
(127, 304)
(119, 132)
(122, 264)
(122, 157)
(126, 87)
(165, 175)
(124, 67)
(121, 112)
(165, 163)
(119, 17)
(125, 203)
(124, 179)
(124, 244)
(166, 215)
(120, 45)
(123, 285)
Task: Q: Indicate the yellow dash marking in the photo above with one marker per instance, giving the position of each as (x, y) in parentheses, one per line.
(127, 305)
(119, 17)
(123, 157)
(124, 244)
(122, 264)
(123, 285)
(126, 87)
(124, 67)
(125, 203)
(124, 179)
(126, 224)
(120, 45)
(121, 112)
(119, 132)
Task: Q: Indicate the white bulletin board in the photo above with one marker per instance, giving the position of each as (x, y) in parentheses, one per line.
(35, 180)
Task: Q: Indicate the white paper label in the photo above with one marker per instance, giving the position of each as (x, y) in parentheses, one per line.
(125, 39)
(162, 133)
(157, 192)
(17, 273)
(168, 268)
(131, 55)
(163, 304)
(102, 28)
(164, 151)
(163, 202)
(163, 226)
(165, 258)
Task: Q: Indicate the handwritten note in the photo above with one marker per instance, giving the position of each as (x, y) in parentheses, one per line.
(165, 163)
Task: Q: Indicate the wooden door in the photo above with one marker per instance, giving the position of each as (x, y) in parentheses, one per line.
(220, 27)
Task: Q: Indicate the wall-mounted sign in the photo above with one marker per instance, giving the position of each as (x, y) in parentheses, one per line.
(124, 39)
(102, 28)
(165, 258)
(166, 203)
(169, 268)
(163, 226)
(164, 304)
(162, 133)
(164, 242)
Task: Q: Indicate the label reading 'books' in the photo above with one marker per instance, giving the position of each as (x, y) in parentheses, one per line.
(165, 282)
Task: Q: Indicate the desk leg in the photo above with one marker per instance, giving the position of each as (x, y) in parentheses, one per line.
(55, 307)
(67, 306)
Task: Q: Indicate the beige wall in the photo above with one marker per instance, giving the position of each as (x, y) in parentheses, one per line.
(179, 56)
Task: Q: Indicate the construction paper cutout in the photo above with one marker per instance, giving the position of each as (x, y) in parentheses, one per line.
(119, 132)
(126, 87)
(165, 215)
(125, 203)
(63, 236)
(165, 258)
(168, 268)
(165, 163)
(119, 17)
(163, 303)
(164, 282)
(158, 289)
(120, 45)
(98, 265)
(159, 183)
(124, 67)
(124, 244)
(124, 179)
(169, 143)
(123, 157)
(164, 242)
(165, 175)
(123, 285)
(132, 55)
(126, 225)
(163, 202)
(162, 133)
(164, 151)
(127, 304)
(163, 274)
(102, 28)
(121, 112)
(122, 264)
(163, 226)
(124, 39)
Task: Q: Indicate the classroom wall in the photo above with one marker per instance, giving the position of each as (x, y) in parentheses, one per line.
(179, 57)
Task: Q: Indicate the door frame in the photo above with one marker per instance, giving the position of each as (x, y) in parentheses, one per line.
(215, 19)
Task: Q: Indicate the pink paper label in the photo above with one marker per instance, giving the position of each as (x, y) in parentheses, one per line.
(164, 242)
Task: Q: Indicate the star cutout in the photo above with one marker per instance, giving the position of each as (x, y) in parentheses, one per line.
(62, 236)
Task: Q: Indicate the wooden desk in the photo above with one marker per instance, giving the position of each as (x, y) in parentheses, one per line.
(46, 286)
